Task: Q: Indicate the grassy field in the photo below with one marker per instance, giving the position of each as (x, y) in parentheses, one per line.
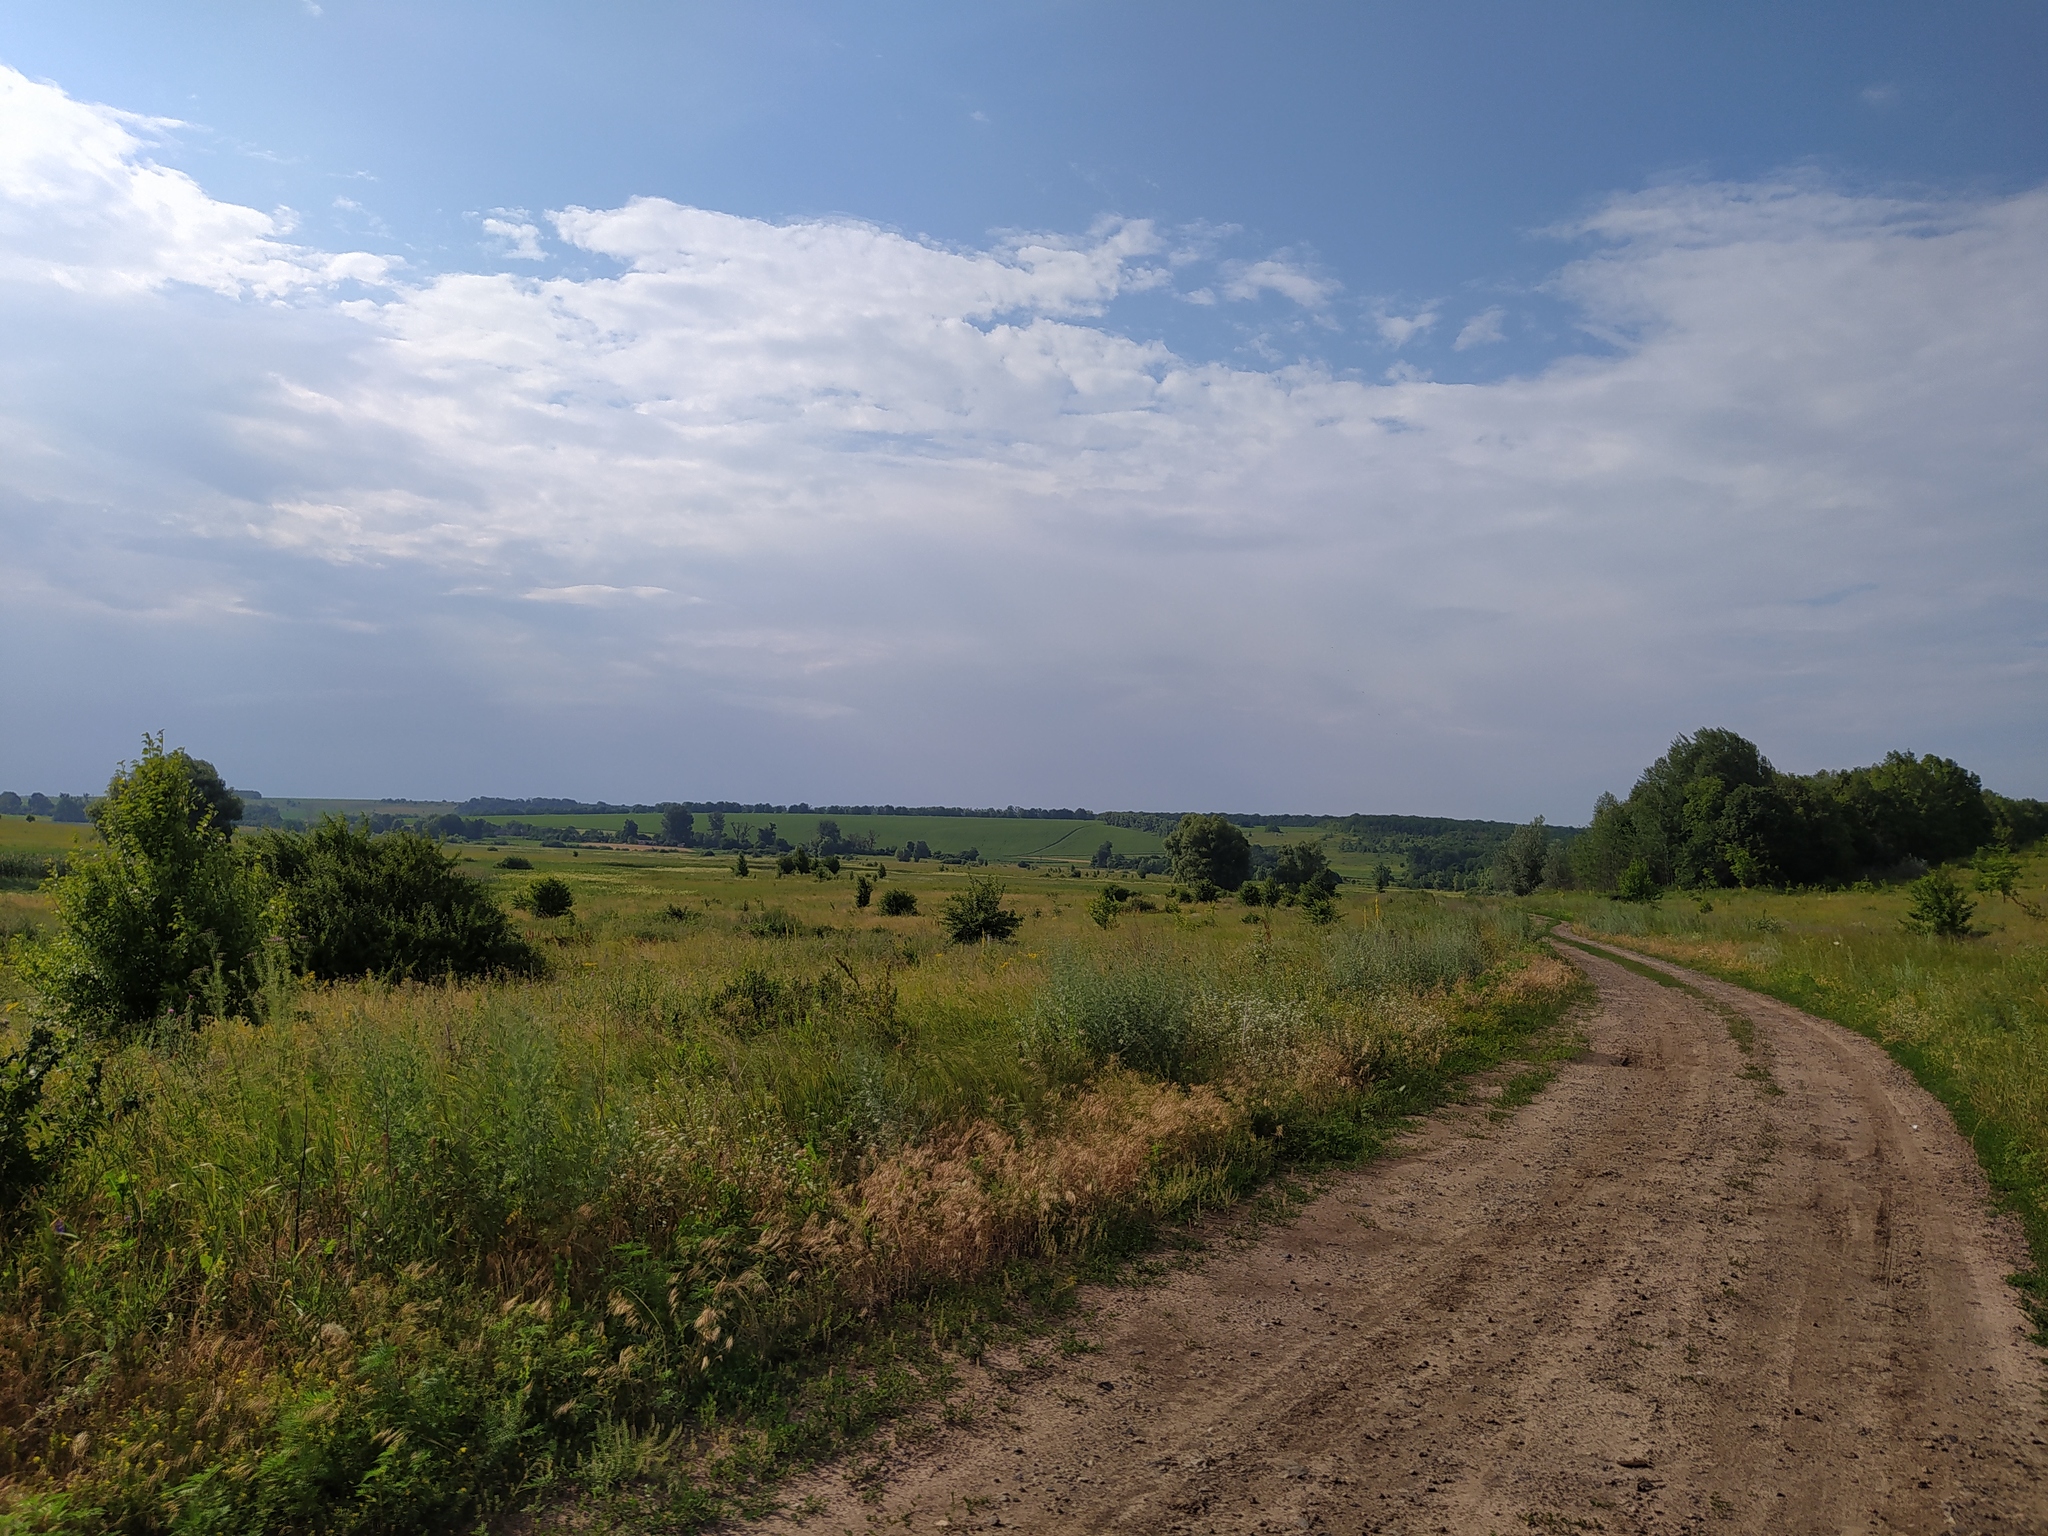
(1968, 1017)
(742, 1175)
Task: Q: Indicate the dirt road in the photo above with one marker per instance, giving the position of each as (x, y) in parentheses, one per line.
(1688, 1288)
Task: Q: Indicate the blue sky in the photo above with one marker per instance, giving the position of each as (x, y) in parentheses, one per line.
(1421, 408)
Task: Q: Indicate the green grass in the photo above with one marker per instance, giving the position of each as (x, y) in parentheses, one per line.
(696, 1208)
(1968, 1018)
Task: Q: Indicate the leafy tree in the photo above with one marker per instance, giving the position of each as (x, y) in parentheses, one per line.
(1382, 877)
(1938, 906)
(1211, 848)
(1319, 906)
(677, 826)
(10, 803)
(1302, 867)
(1252, 894)
(552, 897)
(739, 866)
(223, 802)
(897, 902)
(629, 830)
(1519, 865)
(977, 913)
(863, 889)
(1105, 855)
(163, 918)
(1106, 906)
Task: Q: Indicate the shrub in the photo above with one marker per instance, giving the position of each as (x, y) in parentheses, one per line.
(977, 914)
(1141, 1013)
(863, 889)
(551, 897)
(1106, 906)
(777, 923)
(1637, 883)
(897, 902)
(389, 904)
(1319, 906)
(1938, 906)
(515, 861)
(164, 918)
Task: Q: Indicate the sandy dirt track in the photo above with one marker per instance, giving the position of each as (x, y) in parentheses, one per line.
(1687, 1289)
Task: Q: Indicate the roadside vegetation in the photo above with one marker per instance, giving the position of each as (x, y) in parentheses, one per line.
(392, 1186)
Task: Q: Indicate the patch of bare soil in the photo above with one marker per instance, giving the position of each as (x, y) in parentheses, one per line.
(1732, 1271)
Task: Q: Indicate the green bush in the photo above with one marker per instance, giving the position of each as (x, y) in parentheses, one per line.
(551, 897)
(1938, 906)
(1637, 883)
(392, 905)
(978, 914)
(1140, 1012)
(1209, 849)
(897, 902)
(515, 861)
(863, 889)
(164, 918)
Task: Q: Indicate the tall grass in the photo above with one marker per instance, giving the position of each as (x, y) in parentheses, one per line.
(398, 1257)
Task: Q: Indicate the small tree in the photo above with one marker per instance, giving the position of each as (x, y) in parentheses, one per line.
(1636, 883)
(739, 866)
(977, 913)
(163, 918)
(1382, 877)
(1519, 866)
(551, 897)
(1303, 867)
(897, 902)
(1938, 906)
(1998, 874)
(863, 889)
(1211, 848)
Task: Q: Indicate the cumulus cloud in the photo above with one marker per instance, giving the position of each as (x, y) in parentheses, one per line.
(1249, 279)
(951, 528)
(1482, 330)
(83, 207)
(514, 236)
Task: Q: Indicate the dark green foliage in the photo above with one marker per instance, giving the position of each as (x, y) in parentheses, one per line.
(739, 865)
(1519, 866)
(551, 897)
(977, 913)
(677, 825)
(1939, 907)
(897, 902)
(777, 923)
(1382, 877)
(38, 1126)
(515, 861)
(391, 905)
(1319, 906)
(1714, 812)
(26, 871)
(165, 918)
(1303, 867)
(1211, 848)
(1252, 894)
(863, 889)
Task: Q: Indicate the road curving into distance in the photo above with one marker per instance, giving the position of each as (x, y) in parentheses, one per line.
(1733, 1270)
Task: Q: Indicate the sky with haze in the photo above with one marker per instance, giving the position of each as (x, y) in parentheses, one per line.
(1331, 408)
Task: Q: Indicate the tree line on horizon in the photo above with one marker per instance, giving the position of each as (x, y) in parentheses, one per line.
(1713, 812)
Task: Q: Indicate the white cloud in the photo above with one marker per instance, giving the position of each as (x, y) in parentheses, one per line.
(931, 497)
(1247, 280)
(1881, 94)
(516, 237)
(591, 594)
(82, 206)
(1483, 329)
(1399, 330)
